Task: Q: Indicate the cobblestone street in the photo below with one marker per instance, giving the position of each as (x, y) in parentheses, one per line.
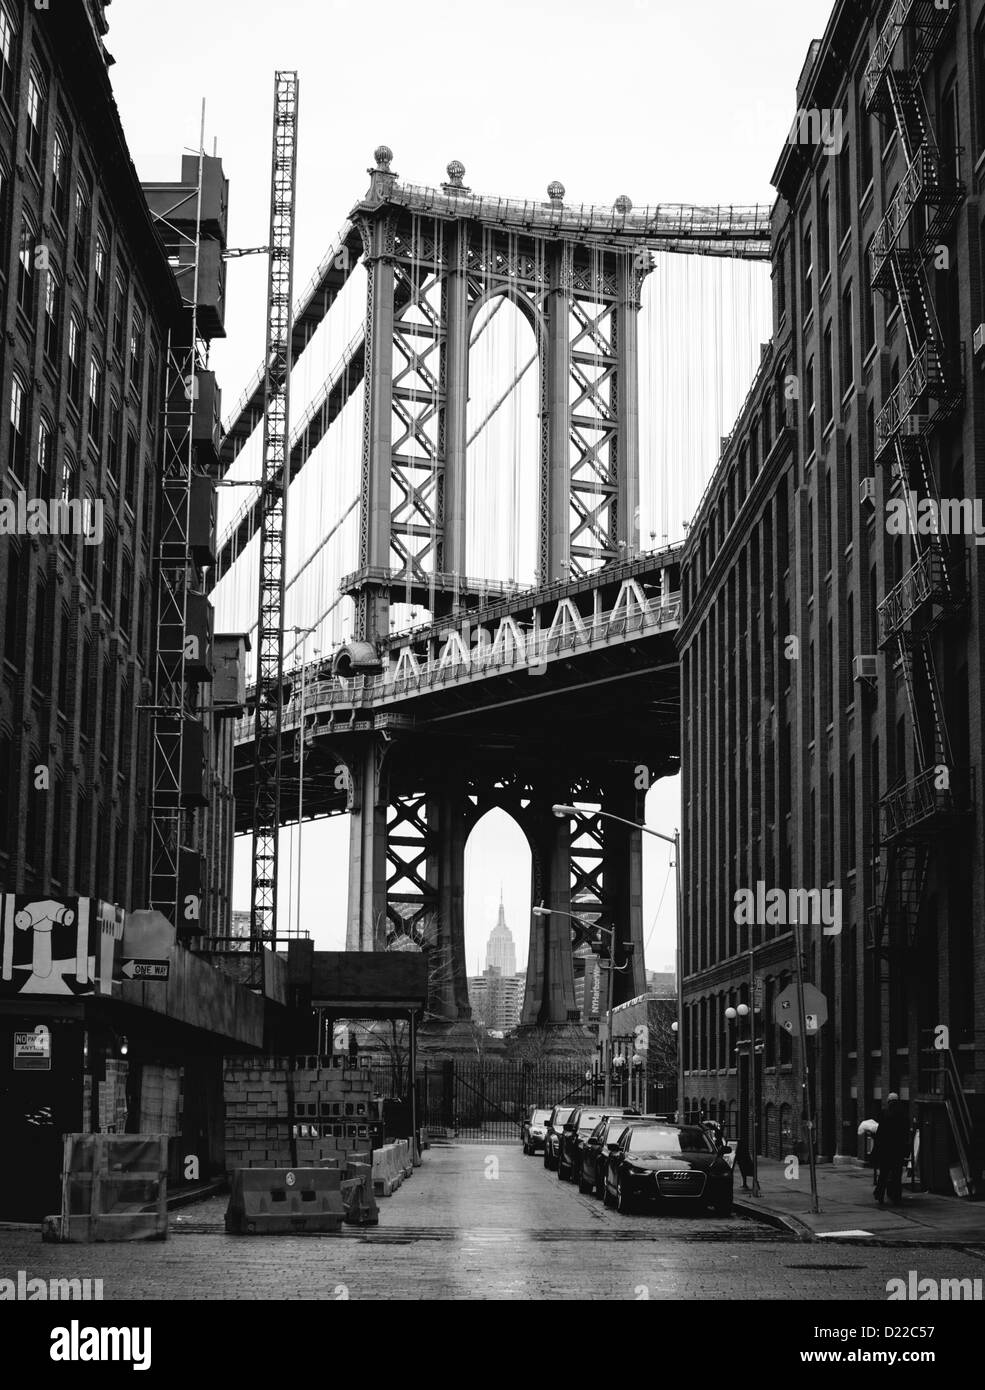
(480, 1222)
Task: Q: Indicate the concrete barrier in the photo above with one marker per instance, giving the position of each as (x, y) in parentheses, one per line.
(274, 1201)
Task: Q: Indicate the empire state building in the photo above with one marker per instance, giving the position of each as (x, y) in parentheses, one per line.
(500, 949)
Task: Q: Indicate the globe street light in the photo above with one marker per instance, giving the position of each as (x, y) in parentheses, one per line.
(562, 811)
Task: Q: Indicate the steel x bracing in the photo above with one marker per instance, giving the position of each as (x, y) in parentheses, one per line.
(175, 573)
(275, 481)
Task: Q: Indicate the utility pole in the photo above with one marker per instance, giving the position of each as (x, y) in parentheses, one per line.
(806, 1073)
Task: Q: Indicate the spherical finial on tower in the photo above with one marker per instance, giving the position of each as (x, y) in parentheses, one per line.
(624, 204)
(456, 172)
(555, 191)
(383, 155)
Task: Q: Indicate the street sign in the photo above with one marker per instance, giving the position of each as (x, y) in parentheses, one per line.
(146, 969)
(815, 1010)
(32, 1051)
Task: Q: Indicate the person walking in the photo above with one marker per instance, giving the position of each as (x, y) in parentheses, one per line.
(743, 1161)
(889, 1152)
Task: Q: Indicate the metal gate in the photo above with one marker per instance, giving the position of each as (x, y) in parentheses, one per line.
(486, 1102)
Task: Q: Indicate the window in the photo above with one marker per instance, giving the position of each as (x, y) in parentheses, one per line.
(4, 208)
(137, 349)
(88, 551)
(868, 304)
(141, 617)
(126, 593)
(70, 479)
(980, 80)
(83, 217)
(119, 313)
(11, 628)
(74, 379)
(95, 399)
(17, 450)
(847, 340)
(82, 857)
(87, 704)
(827, 377)
(25, 267)
(781, 282)
(844, 192)
(130, 472)
(824, 235)
(950, 129)
(106, 709)
(64, 665)
(113, 441)
(808, 272)
(109, 567)
(52, 316)
(35, 118)
(866, 163)
(100, 271)
(41, 675)
(58, 831)
(35, 818)
(44, 477)
(60, 177)
(6, 56)
(809, 397)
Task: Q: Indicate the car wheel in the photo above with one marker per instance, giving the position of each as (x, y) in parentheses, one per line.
(624, 1205)
(607, 1198)
(562, 1174)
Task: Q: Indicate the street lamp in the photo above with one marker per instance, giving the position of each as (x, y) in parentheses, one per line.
(562, 811)
(618, 1065)
(733, 1014)
(539, 910)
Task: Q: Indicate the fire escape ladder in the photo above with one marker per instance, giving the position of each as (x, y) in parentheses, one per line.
(942, 743)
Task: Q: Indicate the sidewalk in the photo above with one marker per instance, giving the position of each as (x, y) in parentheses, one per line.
(848, 1210)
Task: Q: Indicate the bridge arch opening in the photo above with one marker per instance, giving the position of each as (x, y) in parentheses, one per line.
(503, 443)
(497, 885)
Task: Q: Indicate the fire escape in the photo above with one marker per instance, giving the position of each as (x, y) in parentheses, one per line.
(915, 813)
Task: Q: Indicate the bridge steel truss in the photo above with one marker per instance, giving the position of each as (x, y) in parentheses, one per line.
(421, 743)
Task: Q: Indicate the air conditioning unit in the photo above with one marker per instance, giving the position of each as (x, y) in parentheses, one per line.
(978, 338)
(867, 492)
(913, 425)
(865, 668)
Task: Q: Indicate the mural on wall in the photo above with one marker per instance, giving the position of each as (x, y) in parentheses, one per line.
(57, 946)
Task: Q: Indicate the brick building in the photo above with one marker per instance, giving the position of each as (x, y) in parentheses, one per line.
(832, 657)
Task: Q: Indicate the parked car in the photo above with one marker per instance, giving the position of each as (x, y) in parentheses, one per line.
(598, 1148)
(552, 1139)
(666, 1165)
(578, 1127)
(533, 1131)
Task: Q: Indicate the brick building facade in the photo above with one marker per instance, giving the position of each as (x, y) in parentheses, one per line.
(833, 700)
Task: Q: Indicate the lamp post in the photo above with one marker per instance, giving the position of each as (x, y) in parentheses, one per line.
(561, 812)
(539, 910)
(618, 1068)
(733, 1015)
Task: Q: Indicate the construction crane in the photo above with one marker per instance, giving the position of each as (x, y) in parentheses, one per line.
(275, 481)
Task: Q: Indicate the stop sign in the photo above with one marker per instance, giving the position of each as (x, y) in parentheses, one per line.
(786, 1014)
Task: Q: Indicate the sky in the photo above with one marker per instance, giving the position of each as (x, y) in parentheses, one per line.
(662, 101)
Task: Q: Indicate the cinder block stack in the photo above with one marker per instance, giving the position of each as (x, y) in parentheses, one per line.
(334, 1111)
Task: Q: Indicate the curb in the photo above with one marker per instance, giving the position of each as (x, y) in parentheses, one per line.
(779, 1220)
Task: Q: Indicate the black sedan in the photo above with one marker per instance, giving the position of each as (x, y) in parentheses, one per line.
(533, 1131)
(599, 1147)
(666, 1165)
(552, 1139)
(576, 1131)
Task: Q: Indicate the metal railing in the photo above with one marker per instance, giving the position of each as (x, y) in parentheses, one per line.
(917, 803)
(925, 581)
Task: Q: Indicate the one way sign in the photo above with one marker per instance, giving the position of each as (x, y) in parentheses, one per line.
(137, 969)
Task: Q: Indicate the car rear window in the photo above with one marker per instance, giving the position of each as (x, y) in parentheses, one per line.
(562, 1116)
(539, 1116)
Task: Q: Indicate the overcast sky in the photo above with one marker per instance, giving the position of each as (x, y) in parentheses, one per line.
(663, 101)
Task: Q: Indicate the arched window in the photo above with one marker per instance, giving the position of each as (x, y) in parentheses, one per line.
(36, 107)
(11, 631)
(17, 436)
(52, 315)
(60, 172)
(137, 332)
(86, 706)
(119, 311)
(106, 706)
(108, 586)
(100, 268)
(96, 383)
(8, 793)
(126, 593)
(88, 551)
(83, 224)
(25, 267)
(75, 353)
(82, 847)
(44, 477)
(37, 803)
(41, 646)
(64, 664)
(7, 55)
(58, 855)
(113, 434)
